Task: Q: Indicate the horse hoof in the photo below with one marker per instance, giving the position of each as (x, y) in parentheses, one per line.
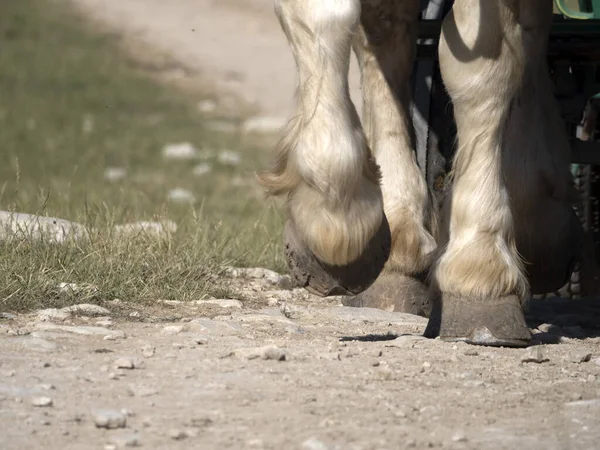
(497, 322)
(326, 280)
(394, 292)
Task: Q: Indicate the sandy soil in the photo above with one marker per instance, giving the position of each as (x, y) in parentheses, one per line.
(285, 370)
(281, 370)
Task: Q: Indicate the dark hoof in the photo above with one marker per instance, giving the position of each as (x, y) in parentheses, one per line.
(494, 322)
(323, 279)
(394, 292)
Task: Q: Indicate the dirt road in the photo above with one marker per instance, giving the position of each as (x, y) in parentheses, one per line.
(237, 44)
(284, 370)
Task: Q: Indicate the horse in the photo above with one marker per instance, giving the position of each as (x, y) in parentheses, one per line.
(361, 219)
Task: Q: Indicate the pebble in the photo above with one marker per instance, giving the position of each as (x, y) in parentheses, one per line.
(178, 435)
(42, 401)
(88, 331)
(229, 157)
(180, 151)
(125, 363)
(113, 174)
(459, 436)
(7, 316)
(53, 314)
(124, 440)
(549, 328)
(264, 124)
(148, 351)
(534, 354)
(268, 352)
(38, 345)
(109, 419)
(86, 309)
(223, 303)
(36, 228)
(581, 357)
(173, 329)
(202, 169)
(206, 106)
(471, 352)
(314, 443)
(180, 195)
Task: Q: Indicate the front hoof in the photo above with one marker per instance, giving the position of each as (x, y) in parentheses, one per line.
(325, 280)
(394, 292)
(498, 322)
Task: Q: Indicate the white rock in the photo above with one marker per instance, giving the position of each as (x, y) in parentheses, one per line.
(222, 126)
(207, 106)
(29, 226)
(229, 157)
(124, 440)
(202, 169)
(233, 304)
(180, 195)
(125, 363)
(314, 444)
(113, 174)
(86, 331)
(264, 124)
(180, 150)
(109, 419)
(42, 401)
(86, 309)
(87, 124)
(53, 314)
(268, 352)
(149, 228)
(173, 329)
(255, 273)
(534, 354)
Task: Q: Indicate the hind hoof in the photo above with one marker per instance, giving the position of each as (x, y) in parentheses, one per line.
(498, 322)
(394, 292)
(326, 280)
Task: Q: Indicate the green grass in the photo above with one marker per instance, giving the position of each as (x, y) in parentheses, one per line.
(72, 103)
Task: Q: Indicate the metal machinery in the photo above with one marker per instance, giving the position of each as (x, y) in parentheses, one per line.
(574, 61)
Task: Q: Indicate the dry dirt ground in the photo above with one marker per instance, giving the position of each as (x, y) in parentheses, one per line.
(281, 369)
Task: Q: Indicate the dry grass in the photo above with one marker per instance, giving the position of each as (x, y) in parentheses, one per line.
(71, 105)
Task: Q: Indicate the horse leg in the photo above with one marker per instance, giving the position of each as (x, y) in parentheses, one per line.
(337, 237)
(385, 47)
(480, 276)
(537, 156)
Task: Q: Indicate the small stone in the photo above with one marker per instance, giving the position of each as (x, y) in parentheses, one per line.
(87, 331)
(549, 328)
(86, 309)
(7, 316)
(42, 401)
(202, 169)
(173, 329)
(274, 353)
(201, 340)
(223, 303)
(53, 314)
(125, 363)
(180, 151)
(471, 352)
(581, 357)
(178, 435)
(113, 174)
(534, 354)
(125, 440)
(314, 443)
(264, 124)
(206, 106)
(109, 419)
(426, 365)
(180, 195)
(459, 436)
(148, 351)
(229, 157)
